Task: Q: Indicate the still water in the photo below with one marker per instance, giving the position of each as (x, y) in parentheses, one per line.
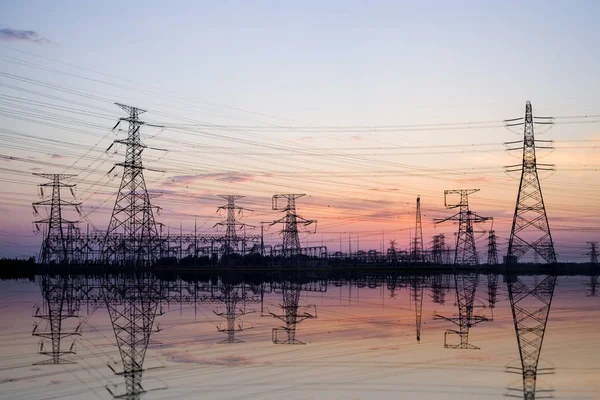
(310, 337)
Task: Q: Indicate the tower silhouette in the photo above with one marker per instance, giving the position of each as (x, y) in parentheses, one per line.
(417, 254)
(56, 246)
(465, 252)
(231, 238)
(530, 229)
(291, 241)
(132, 237)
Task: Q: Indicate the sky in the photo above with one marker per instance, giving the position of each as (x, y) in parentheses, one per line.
(362, 106)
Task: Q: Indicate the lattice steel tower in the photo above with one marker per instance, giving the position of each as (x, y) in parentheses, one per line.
(291, 241)
(56, 245)
(465, 252)
(231, 237)
(417, 254)
(593, 253)
(530, 228)
(132, 219)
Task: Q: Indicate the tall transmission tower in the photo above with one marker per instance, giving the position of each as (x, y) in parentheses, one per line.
(60, 303)
(291, 241)
(438, 248)
(132, 302)
(132, 218)
(530, 229)
(55, 247)
(465, 252)
(530, 306)
(492, 251)
(417, 254)
(593, 252)
(231, 237)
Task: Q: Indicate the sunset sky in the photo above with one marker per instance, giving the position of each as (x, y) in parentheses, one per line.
(360, 105)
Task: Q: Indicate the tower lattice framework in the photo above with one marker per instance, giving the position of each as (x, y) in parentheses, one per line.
(291, 220)
(132, 219)
(593, 253)
(465, 252)
(530, 305)
(530, 229)
(57, 243)
(417, 253)
(231, 239)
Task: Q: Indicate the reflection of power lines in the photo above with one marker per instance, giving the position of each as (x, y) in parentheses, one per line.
(465, 285)
(416, 290)
(530, 228)
(293, 313)
(465, 252)
(232, 296)
(60, 303)
(530, 306)
(132, 303)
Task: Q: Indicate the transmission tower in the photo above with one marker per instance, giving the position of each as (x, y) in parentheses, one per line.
(438, 248)
(465, 285)
(492, 253)
(132, 218)
(593, 253)
(416, 291)
(231, 237)
(465, 252)
(417, 254)
(530, 308)
(60, 303)
(56, 244)
(132, 302)
(530, 228)
(291, 241)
